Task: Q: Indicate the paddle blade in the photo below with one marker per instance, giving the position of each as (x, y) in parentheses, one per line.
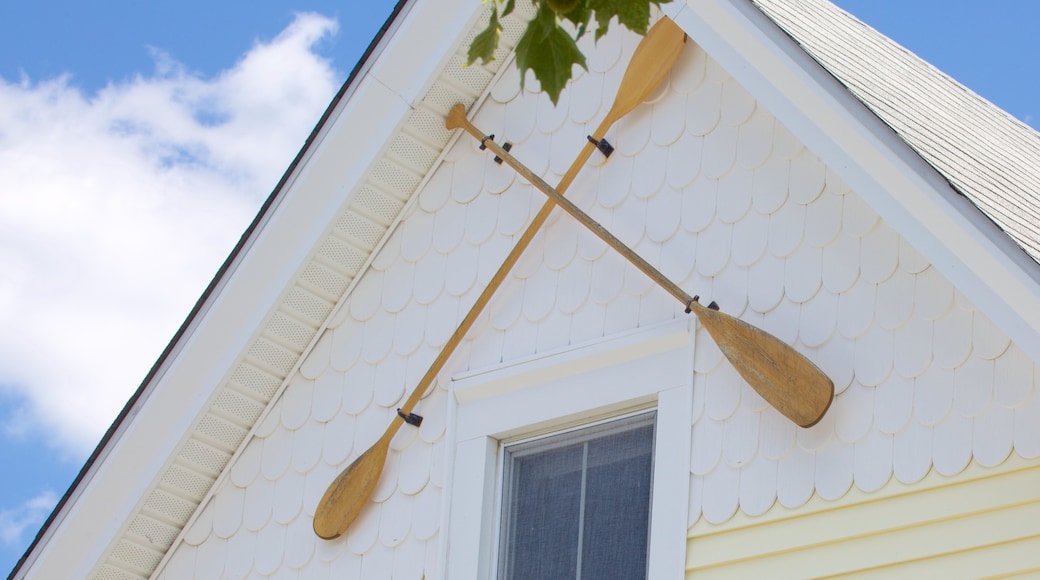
(456, 118)
(650, 64)
(349, 492)
(781, 375)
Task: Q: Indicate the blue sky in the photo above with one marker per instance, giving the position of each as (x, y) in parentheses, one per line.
(125, 125)
(991, 47)
(137, 140)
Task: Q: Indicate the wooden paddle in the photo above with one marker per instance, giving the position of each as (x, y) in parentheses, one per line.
(349, 492)
(781, 375)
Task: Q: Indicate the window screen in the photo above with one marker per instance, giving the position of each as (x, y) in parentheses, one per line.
(577, 505)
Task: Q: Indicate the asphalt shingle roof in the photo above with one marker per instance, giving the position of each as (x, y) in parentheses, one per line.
(985, 153)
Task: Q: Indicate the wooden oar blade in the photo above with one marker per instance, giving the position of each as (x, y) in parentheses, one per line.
(650, 64)
(781, 375)
(349, 492)
(456, 117)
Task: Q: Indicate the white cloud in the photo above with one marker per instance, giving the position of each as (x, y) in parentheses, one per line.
(29, 515)
(116, 209)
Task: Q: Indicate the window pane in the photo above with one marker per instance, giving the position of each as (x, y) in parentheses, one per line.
(617, 505)
(545, 511)
(579, 499)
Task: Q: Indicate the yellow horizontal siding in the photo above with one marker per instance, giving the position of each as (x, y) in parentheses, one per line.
(985, 522)
(1017, 559)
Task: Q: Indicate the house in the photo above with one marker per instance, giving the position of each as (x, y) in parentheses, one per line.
(804, 172)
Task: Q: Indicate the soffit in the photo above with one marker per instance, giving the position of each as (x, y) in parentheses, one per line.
(370, 213)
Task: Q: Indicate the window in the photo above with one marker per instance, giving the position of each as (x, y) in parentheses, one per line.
(516, 410)
(577, 504)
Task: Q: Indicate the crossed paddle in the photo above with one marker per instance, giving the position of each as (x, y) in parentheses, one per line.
(781, 375)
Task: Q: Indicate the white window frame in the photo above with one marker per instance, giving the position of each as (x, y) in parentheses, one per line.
(645, 369)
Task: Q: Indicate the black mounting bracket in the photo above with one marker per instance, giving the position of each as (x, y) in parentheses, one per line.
(411, 418)
(483, 145)
(603, 145)
(508, 147)
(696, 298)
(689, 305)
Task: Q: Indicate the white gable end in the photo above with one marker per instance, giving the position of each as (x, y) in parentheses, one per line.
(750, 178)
(711, 188)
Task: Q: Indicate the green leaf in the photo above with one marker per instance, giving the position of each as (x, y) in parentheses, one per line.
(485, 43)
(580, 17)
(546, 48)
(632, 14)
(550, 52)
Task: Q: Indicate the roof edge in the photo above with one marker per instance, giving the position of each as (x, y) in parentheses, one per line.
(215, 283)
(909, 193)
(1012, 245)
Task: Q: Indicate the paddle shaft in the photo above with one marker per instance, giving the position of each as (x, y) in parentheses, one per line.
(567, 205)
(496, 281)
(782, 375)
(342, 501)
(650, 64)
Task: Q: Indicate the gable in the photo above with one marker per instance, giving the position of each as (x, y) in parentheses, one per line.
(706, 183)
(711, 187)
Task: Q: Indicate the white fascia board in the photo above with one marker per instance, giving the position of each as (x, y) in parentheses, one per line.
(423, 41)
(147, 439)
(980, 260)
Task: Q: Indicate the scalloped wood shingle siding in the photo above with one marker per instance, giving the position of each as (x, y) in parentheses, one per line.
(713, 189)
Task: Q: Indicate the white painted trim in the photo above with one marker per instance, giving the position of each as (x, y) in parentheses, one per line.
(646, 369)
(982, 262)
